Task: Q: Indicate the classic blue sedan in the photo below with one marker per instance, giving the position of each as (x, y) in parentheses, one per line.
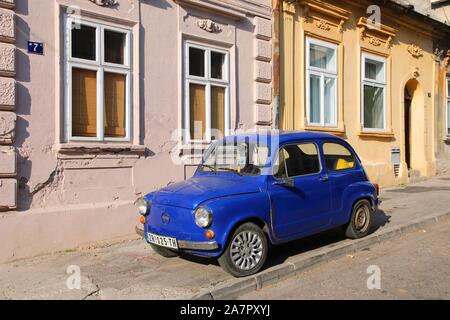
(254, 189)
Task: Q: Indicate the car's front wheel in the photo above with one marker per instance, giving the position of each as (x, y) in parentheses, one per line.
(360, 221)
(167, 253)
(246, 252)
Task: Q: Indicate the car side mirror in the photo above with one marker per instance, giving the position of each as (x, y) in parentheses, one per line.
(287, 182)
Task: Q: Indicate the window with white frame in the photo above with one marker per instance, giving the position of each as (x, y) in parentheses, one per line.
(206, 114)
(97, 82)
(373, 92)
(321, 83)
(448, 106)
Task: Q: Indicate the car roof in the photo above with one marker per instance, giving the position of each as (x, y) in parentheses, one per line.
(284, 136)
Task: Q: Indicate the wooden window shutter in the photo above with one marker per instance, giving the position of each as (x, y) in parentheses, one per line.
(197, 110)
(84, 103)
(114, 114)
(218, 109)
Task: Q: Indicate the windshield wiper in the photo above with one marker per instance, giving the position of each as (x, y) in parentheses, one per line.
(213, 168)
(230, 170)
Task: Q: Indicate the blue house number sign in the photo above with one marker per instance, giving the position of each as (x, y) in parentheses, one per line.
(35, 47)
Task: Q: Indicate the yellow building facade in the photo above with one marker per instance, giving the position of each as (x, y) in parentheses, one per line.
(376, 76)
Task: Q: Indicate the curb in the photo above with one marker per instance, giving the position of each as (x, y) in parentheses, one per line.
(236, 287)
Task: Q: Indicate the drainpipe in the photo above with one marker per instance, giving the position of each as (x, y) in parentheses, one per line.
(276, 62)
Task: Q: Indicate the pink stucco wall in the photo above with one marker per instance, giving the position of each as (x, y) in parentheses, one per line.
(70, 194)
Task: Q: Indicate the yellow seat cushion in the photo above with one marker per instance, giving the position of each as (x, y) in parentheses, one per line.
(342, 164)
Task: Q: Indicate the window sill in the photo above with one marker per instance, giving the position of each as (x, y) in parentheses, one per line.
(68, 150)
(376, 134)
(332, 130)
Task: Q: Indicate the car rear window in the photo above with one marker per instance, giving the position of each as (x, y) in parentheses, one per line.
(338, 157)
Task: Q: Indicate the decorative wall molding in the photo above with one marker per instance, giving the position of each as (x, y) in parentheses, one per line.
(415, 50)
(325, 16)
(208, 25)
(376, 35)
(105, 3)
(415, 73)
(323, 24)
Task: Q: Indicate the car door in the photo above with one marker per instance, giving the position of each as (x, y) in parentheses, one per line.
(343, 171)
(303, 207)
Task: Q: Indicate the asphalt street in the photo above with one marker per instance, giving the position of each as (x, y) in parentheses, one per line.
(414, 266)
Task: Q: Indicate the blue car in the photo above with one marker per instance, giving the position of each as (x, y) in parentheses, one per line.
(253, 190)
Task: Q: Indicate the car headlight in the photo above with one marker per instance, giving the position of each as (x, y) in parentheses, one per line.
(203, 217)
(143, 206)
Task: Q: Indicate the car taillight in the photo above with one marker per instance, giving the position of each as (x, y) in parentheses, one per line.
(377, 188)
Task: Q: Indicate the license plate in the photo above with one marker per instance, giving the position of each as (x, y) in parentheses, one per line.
(162, 241)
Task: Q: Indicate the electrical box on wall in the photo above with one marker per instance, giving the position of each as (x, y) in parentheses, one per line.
(395, 159)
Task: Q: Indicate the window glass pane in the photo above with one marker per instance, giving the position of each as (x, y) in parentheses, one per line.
(448, 117)
(301, 159)
(217, 65)
(217, 112)
(374, 70)
(196, 62)
(337, 157)
(314, 99)
(197, 111)
(114, 114)
(114, 47)
(322, 57)
(84, 103)
(373, 107)
(330, 101)
(83, 42)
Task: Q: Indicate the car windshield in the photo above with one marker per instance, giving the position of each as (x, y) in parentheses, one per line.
(242, 158)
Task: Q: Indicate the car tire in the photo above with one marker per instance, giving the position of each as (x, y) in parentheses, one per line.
(360, 221)
(167, 253)
(246, 251)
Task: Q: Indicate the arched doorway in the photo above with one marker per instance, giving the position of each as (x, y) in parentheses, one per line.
(413, 126)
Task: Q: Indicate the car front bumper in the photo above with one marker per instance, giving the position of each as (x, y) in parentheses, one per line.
(188, 245)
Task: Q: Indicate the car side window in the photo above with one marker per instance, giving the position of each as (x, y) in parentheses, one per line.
(297, 160)
(338, 157)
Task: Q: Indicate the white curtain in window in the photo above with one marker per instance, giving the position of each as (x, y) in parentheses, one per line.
(373, 107)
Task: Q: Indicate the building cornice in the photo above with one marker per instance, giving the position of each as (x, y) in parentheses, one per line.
(234, 9)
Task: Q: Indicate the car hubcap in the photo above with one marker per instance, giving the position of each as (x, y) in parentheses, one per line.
(362, 218)
(246, 250)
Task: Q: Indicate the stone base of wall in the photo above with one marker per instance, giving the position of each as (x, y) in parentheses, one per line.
(442, 166)
(39, 231)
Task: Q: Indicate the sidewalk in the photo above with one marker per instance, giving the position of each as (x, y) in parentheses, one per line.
(131, 270)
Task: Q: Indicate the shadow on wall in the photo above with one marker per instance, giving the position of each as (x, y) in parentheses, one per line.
(23, 107)
(161, 4)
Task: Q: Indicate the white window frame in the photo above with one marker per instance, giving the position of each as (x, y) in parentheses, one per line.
(322, 73)
(447, 106)
(375, 83)
(207, 81)
(100, 66)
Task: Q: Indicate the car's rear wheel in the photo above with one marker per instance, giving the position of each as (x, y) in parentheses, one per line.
(167, 253)
(360, 221)
(246, 252)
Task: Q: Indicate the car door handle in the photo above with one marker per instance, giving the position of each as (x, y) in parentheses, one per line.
(323, 179)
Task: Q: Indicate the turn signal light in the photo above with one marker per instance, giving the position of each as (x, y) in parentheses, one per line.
(142, 219)
(209, 234)
(377, 188)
